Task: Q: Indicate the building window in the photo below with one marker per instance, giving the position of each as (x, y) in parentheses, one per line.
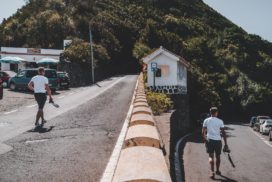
(158, 72)
(164, 70)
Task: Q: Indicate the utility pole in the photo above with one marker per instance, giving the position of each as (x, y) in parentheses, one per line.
(91, 44)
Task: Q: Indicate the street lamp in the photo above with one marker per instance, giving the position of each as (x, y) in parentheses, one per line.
(91, 44)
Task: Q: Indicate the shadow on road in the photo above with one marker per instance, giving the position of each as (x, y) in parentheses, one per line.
(41, 129)
(224, 179)
(28, 92)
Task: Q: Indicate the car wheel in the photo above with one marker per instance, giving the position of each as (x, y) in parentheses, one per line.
(12, 86)
(5, 84)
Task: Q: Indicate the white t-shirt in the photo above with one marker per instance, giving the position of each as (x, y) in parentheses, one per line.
(39, 82)
(213, 126)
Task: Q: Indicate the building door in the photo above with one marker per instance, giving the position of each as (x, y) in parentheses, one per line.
(14, 67)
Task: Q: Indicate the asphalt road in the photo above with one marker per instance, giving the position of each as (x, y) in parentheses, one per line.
(77, 141)
(250, 152)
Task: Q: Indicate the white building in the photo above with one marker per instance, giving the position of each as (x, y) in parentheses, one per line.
(171, 74)
(30, 56)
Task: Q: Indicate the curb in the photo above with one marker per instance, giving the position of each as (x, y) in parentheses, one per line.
(141, 158)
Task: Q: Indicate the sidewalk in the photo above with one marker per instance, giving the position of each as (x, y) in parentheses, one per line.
(163, 124)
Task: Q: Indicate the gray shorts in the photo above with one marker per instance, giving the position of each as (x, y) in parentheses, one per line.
(213, 146)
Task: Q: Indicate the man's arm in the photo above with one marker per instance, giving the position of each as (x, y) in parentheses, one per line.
(48, 91)
(204, 131)
(224, 135)
(31, 85)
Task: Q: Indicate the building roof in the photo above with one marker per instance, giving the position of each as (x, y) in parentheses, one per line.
(167, 53)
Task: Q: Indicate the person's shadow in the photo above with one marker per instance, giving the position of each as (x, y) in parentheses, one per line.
(41, 129)
(224, 179)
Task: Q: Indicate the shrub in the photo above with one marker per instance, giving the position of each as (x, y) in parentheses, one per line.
(159, 102)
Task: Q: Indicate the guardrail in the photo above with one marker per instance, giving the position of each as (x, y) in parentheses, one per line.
(141, 158)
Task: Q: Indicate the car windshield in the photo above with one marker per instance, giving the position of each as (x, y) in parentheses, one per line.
(264, 117)
(31, 73)
(269, 122)
(61, 75)
(21, 73)
(50, 74)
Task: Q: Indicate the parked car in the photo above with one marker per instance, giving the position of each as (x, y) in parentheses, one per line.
(252, 121)
(265, 126)
(270, 134)
(258, 122)
(21, 80)
(63, 80)
(1, 89)
(5, 76)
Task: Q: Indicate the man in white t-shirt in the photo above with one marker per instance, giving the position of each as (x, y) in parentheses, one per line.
(39, 84)
(211, 133)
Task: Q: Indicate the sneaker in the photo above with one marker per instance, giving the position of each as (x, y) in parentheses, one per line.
(44, 121)
(212, 175)
(37, 124)
(218, 172)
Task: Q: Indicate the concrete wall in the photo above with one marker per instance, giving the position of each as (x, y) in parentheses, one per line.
(141, 158)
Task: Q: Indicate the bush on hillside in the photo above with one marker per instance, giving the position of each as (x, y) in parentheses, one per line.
(159, 102)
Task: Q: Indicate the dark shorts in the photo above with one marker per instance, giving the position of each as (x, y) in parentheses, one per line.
(41, 99)
(213, 146)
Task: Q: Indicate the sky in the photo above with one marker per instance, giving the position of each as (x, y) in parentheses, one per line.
(9, 7)
(254, 16)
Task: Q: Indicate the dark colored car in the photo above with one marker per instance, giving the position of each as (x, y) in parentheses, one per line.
(259, 119)
(5, 76)
(21, 80)
(252, 121)
(63, 80)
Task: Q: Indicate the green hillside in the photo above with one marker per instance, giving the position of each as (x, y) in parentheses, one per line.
(230, 68)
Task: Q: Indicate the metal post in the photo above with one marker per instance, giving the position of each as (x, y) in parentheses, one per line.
(92, 57)
(154, 78)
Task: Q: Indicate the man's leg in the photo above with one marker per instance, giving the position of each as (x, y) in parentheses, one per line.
(38, 116)
(42, 115)
(211, 161)
(218, 160)
(218, 149)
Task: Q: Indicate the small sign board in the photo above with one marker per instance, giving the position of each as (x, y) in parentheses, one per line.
(33, 51)
(154, 67)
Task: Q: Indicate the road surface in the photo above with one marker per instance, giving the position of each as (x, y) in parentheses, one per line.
(251, 153)
(77, 141)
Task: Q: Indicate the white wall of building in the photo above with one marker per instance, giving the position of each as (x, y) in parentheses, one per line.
(170, 79)
(182, 75)
(27, 55)
(5, 67)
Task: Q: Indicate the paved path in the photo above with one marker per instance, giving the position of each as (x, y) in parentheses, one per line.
(251, 155)
(77, 141)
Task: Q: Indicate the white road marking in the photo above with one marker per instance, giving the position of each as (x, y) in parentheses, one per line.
(4, 124)
(6, 113)
(112, 164)
(262, 138)
(31, 106)
(36, 141)
(61, 97)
